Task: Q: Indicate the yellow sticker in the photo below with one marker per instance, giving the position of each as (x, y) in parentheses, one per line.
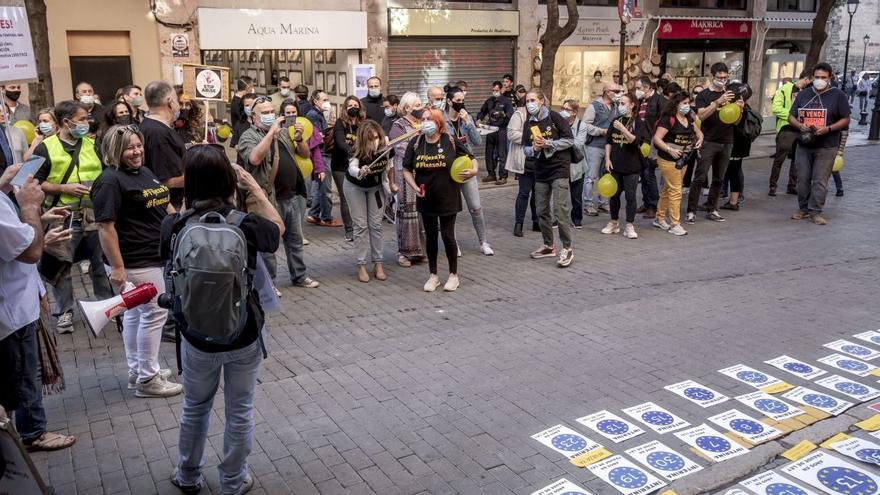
(669, 492)
(799, 450)
(779, 387)
(836, 438)
(591, 457)
(875, 372)
(870, 424)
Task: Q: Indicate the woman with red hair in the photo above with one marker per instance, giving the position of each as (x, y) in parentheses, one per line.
(427, 164)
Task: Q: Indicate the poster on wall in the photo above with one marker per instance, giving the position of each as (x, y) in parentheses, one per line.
(362, 72)
(180, 46)
(17, 57)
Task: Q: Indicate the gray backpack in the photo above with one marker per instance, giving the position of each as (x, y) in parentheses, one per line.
(210, 278)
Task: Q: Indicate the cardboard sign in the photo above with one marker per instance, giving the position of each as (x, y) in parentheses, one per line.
(696, 393)
(562, 487)
(205, 82)
(769, 405)
(610, 426)
(848, 364)
(871, 336)
(796, 367)
(853, 349)
(663, 460)
(859, 449)
(813, 117)
(745, 426)
(773, 483)
(656, 417)
(833, 475)
(849, 388)
(17, 62)
(819, 400)
(710, 443)
(625, 476)
(566, 441)
(755, 378)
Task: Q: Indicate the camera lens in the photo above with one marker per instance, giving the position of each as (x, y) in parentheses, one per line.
(165, 301)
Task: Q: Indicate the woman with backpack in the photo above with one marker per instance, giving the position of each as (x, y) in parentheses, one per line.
(209, 188)
(130, 205)
(743, 134)
(345, 132)
(427, 166)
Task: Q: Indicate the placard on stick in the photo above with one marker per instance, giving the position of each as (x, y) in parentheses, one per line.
(206, 82)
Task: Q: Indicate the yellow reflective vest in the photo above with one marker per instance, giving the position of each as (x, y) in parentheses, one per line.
(87, 170)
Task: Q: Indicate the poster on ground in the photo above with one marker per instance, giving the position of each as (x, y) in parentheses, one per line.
(566, 441)
(859, 449)
(711, 443)
(819, 400)
(848, 364)
(745, 426)
(562, 487)
(696, 393)
(849, 388)
(663, 460)
(853, 349)
(773, 483)
(656, 417)
(833, 475)
(625, 476)
(769, 405)
(610, 426)
(752, 377)
(871, 336)
(796, 367)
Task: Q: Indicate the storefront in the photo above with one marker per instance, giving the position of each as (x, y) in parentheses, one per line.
(595, 46)
(689, 47)
(784, 55)
(308, 47)
(436, 47)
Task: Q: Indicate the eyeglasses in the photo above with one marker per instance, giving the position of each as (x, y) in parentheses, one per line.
(260, 99)
(127, 128)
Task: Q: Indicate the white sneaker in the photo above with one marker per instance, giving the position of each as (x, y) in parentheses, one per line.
(566, 256)
(432, 283)
(157, 387)
(133, 377)
(65, 323)
(306, 242)
(459, 250)
(661, 224)
(677, 230)
(85, 266)
(486, 249)
(630, 232)
(612, 228)
(278, 292)
(452, 283)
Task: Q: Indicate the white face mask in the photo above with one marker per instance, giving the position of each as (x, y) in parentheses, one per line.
(326, 106)
(640, 94)
(564, 114)
(820, 84)
(496, 94)
(87, 99)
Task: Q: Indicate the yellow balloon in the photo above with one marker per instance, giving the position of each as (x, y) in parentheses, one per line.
(224, 131)
(645, 148)
(305, 165)
(460, 164)
(607, 186)
(698, 123)
(730, 113)
(27, 128)
(307, 126)
(838, 164)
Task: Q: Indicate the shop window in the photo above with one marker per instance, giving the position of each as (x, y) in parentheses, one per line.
(689, 69)
(706, 4)
(574, 70)
(791, 5)
(600, 3)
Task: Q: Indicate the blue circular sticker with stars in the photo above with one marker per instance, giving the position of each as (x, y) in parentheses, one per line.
(658, 418)
(851, 388)
(752, 376)
(665, 461)
(875, 339)
(783, 489)
(713, 443)
(856, 350)
(698, 393)
(746, 426)
(612, 426)
(798, 368)
(771, 406)
(846, 480)
(869, 455)
(627, 477)
(819, 400)
(850, 365)
(569, 442)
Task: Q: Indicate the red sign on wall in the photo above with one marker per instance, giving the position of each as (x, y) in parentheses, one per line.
(679, 29)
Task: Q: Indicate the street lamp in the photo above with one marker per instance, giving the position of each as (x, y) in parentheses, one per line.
(851, 7)
(866, 39)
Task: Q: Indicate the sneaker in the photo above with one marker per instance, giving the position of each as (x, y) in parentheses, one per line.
(592, 211)
(349, 237)
(278, 292)
(714, 216)
(839, 193)
(165, 374)
(605, 208)
(432, 283)
(501, 181)
(489, 178)
(486, 249)
(772, 191)
(459, 250)
(818, 220)
(691, 218)
(612, 228)
(661, 224)
(731, 207)
(65, 323)
(566, 256)
(246, 485)
(630, 232)
(677, 230)
(85, 266)
(188, 489)
(157, 387)
(555, 225)
(312, 220)
(308, 283)
(544, 252)
(306, 242)
(799, 215)
(452, 283)
(577, 226)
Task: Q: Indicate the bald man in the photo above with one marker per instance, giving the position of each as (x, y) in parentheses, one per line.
(436, 98)
(598, 117)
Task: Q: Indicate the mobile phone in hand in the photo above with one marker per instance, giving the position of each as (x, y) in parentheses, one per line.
(289, 120)
(30, 167)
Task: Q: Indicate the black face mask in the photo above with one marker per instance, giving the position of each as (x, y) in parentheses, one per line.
(418, 113)
(13, 95)
(353, 112)
(184, 113)
(123, 120)
(458, 106)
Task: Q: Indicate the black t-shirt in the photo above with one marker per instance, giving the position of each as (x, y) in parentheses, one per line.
(377, 168)
(261, 236)
(163, 154)
(288, 178)
(431, 164)
(557, 166)
(45, 169)
(676, 134)
(714, 131)
(626, 158)
(344, 136)
(137, 202)
(821, 110)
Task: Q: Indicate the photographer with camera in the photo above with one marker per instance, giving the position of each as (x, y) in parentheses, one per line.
(677, 138)
(820, 113)
(496, 111)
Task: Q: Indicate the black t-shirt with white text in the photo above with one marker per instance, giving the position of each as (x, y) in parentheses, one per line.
(431, 163)
(679, 135)
(377, 167)
(626, 158)
(163, 154)
(714, 131)
(821, 110)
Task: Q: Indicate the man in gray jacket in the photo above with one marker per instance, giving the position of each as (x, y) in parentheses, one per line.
(597, 118)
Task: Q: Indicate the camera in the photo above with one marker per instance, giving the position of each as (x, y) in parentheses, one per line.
(165, 301)
(806, 138)
(684, 159)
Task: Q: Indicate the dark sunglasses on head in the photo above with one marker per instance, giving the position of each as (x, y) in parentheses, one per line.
(129, 127)
(260, 99)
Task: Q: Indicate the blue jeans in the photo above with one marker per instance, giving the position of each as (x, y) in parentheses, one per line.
(201, 377)
(291, 215)
(23, 390)
(595, 166)
(322, 195)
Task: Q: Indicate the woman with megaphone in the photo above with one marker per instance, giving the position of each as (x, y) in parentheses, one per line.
(130, 204)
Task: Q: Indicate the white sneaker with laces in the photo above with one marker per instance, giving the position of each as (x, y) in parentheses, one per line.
(612, 228)
(566, 256)
(677, 230)
(486, 249)
(157, 387)
(65, 323)
(452, 283)
(630, 232)
(661, 224)
(432, 283)
(459, 250)
(133, 377)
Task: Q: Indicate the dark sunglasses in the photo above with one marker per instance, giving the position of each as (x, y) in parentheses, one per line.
(260, 99)
(130, 127)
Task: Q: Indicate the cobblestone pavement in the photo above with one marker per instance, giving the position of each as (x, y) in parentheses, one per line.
(382, 388)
